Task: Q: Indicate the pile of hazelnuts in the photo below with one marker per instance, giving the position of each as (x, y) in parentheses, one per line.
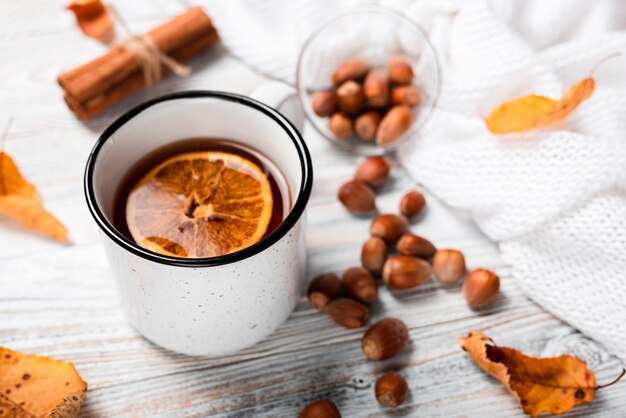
(404, 261)
(373, 104)
(410, 266)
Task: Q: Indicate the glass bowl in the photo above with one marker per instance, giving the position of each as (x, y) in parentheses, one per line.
(373, 34)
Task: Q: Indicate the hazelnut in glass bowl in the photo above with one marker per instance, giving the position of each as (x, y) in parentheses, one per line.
(367, 80)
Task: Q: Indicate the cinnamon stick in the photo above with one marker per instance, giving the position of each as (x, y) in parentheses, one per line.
(97, 85)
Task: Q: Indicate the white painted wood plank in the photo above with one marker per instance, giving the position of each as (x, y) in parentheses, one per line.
(35, 20)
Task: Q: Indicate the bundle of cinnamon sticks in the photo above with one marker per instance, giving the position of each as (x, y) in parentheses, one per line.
(94, 87)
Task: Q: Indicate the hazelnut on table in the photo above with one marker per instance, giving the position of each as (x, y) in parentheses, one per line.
(373, 171)
(348, 312)
(374, 254)
(324, 408)
(481, 287)
(412, 204)
(391, 390)
(360, 284)
(385, 339)
(357, 197)
(449, 266)
(324, 289)
(405, 272)
(389, 227)
(416, 246)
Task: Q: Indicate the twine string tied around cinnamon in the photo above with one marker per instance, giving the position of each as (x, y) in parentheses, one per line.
(148, 55)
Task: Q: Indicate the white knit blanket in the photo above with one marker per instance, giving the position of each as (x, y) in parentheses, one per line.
(554, 199)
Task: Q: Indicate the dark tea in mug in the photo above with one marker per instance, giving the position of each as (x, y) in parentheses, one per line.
(201, 197)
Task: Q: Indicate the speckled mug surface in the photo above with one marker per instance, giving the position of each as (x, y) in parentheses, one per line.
(204, 306)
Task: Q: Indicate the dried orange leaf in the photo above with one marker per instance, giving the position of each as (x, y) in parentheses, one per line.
(19, 201)
(93, 19)
(33, 386)
(530, 112)
(33, 216)
(553, 385)
(577, 94)
(12, 181)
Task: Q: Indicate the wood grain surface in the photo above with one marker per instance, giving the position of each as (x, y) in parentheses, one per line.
(61, 301)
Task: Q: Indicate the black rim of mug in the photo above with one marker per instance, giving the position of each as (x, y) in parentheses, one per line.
(288, 223)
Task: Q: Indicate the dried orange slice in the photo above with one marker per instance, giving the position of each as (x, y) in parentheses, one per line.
(200, 204)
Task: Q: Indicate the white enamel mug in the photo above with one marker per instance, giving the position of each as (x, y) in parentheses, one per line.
(205, 306)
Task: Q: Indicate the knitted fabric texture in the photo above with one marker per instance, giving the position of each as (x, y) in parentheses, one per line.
(554, 199)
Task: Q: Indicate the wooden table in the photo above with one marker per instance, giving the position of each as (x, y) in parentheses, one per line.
(61, 301)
